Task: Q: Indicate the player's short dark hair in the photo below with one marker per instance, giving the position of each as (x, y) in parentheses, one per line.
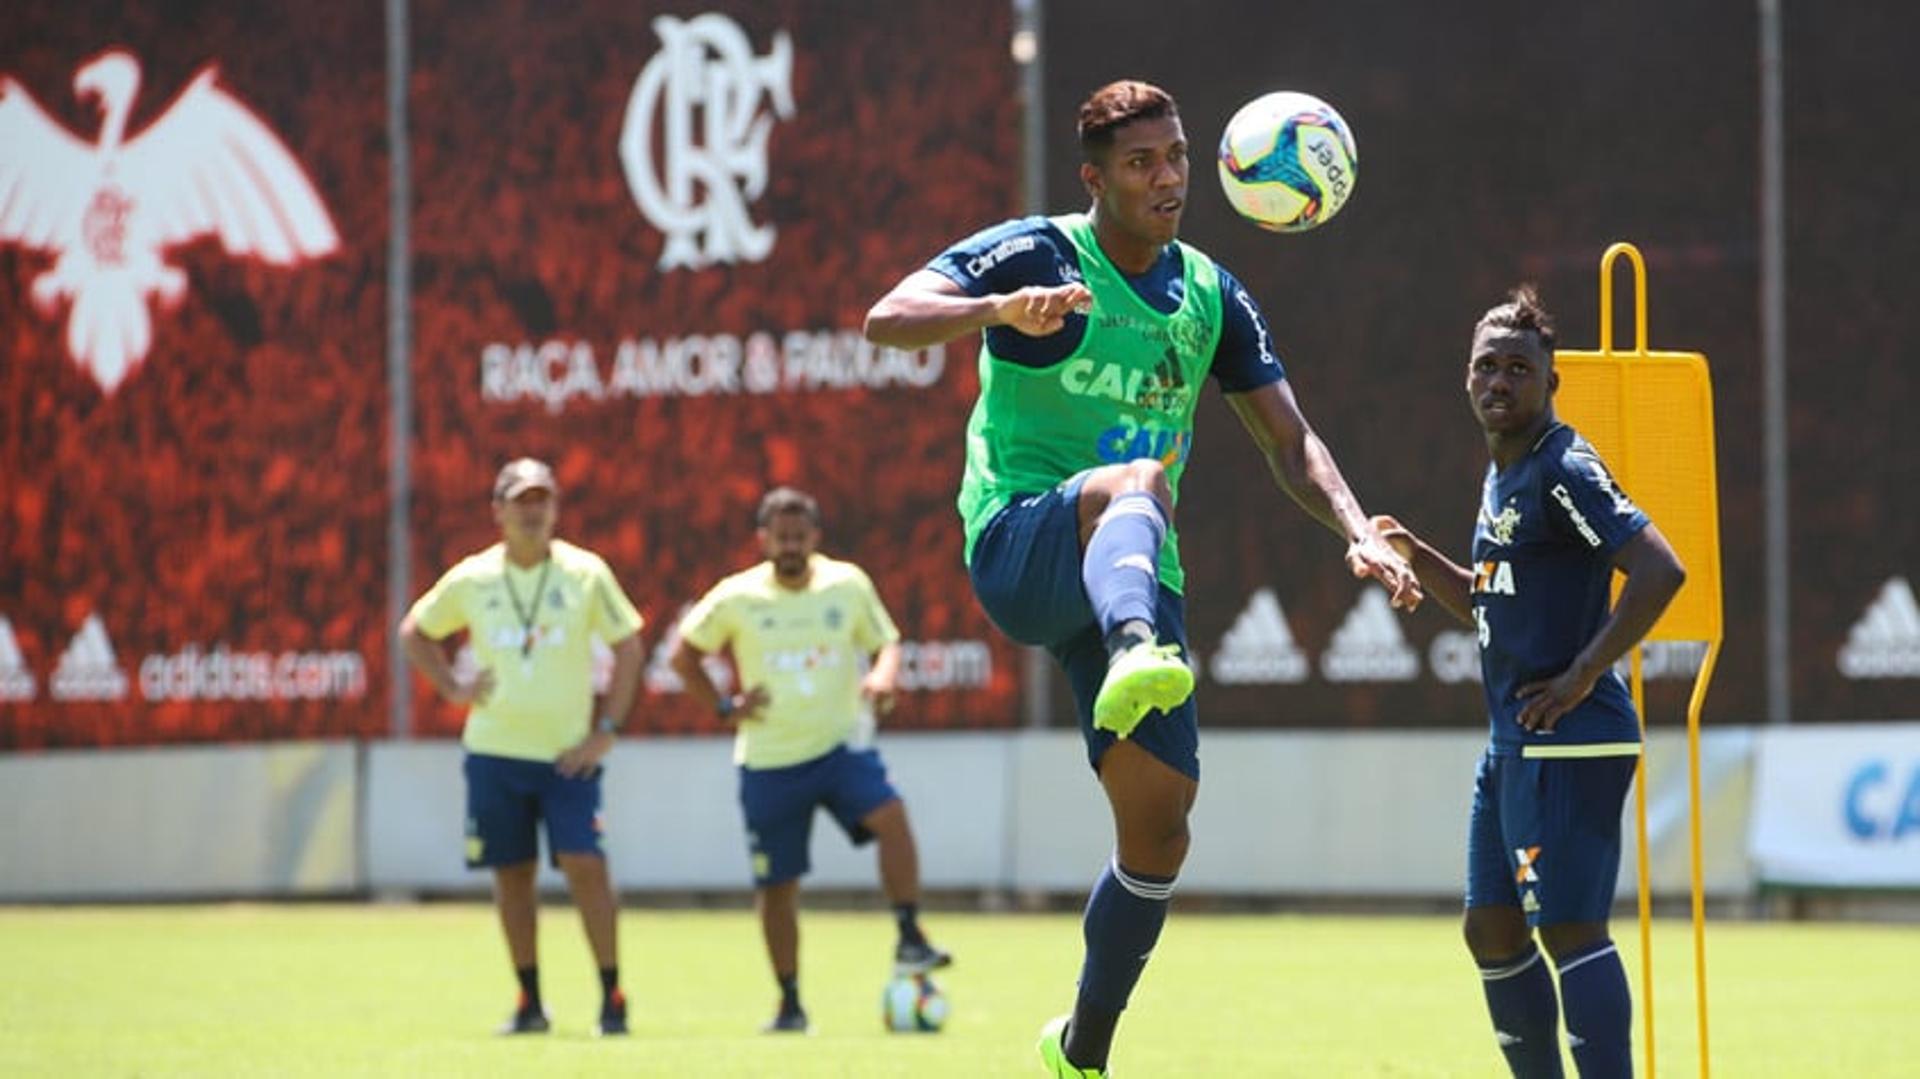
(1113, 107)
(1522, 311)
(786, 500)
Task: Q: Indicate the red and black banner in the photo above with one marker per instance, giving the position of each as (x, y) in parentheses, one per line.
(193, 235)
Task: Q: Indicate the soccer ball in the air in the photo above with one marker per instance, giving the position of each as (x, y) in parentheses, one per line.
(912, 1004)
(1288, 161)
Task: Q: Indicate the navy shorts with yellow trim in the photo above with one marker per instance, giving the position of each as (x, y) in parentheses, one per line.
(1026, 573)
(778, 805)
(507, 800)
(1544, 835)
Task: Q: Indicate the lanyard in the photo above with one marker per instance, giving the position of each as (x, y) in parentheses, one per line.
(529, 613)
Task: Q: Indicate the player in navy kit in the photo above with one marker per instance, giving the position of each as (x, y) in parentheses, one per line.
(1543, 846)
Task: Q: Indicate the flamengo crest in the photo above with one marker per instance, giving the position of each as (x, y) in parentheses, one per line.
(109, 209)
(697, 189)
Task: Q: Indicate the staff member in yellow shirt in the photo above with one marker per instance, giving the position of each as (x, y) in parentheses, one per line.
(532, 605)
(800, 625)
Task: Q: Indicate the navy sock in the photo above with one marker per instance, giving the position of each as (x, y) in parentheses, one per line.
(789, 993)
(1121, 566)
(1599, 1007)
(1122, 923)
(610, 983)
(1526, 1014)
(529, 987)
(907, 917)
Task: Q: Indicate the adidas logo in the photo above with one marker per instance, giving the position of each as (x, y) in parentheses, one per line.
(88, 670)
(1368, 646)
(16, 682)
(1258, 648)
(1885, 642)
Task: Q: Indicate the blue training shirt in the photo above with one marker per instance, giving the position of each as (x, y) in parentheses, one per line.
(1033, 251)
(1543, 550)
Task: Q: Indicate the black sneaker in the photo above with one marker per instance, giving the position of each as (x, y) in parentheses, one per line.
(613, 1016)
(918, 957)
(526, 1021)
(789, 1021)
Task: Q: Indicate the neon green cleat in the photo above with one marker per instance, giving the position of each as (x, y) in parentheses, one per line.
(1139, 680)
(1053, 1053)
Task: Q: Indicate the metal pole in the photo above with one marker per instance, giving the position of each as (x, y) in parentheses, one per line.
(1036, 706)
(399, 360)
(1773, 361)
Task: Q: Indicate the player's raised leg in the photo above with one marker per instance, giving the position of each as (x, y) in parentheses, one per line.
(1124, 517)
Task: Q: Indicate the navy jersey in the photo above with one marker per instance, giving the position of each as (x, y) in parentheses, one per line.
(1033, 251)
(1543, 552)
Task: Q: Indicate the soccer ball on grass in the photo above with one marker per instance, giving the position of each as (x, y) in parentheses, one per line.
(912, 1004)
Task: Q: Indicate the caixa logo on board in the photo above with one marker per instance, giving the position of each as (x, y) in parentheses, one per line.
(1882, 800)
(698, 103)
(108, 209)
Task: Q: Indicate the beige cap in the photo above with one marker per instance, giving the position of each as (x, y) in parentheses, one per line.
(521, 475)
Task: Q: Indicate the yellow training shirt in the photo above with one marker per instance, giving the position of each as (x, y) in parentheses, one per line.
(543, 697)
(808, 647)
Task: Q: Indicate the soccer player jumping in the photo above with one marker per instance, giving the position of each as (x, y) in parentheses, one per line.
(1543, 842)
(1098, 330)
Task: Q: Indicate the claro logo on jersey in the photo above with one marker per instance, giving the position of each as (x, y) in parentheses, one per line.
(698, 101)
(109, 209)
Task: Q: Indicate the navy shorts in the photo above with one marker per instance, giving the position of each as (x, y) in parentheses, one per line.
(778, 804)
(507, 798)
(1544, 835)
(1026, 572)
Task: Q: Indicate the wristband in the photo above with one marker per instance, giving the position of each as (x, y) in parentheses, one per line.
(724, 706)
(606, 725)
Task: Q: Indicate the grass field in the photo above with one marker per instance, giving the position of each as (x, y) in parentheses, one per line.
(414, 990)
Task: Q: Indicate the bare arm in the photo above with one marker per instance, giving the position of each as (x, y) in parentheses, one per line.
(625, 682)
(883, 678)
(1654, 576)
(926, 308)
(685, 660)
(1304, 468)
(1449, 583)
(429, 657)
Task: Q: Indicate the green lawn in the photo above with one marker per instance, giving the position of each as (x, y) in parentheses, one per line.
(414, 990)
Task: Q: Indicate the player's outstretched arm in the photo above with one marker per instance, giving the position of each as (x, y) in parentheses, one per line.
(1304, 468)
(1654, 576)
(1446, 581)
(928, 309)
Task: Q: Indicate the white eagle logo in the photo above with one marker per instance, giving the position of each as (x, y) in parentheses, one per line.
(108, 210)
